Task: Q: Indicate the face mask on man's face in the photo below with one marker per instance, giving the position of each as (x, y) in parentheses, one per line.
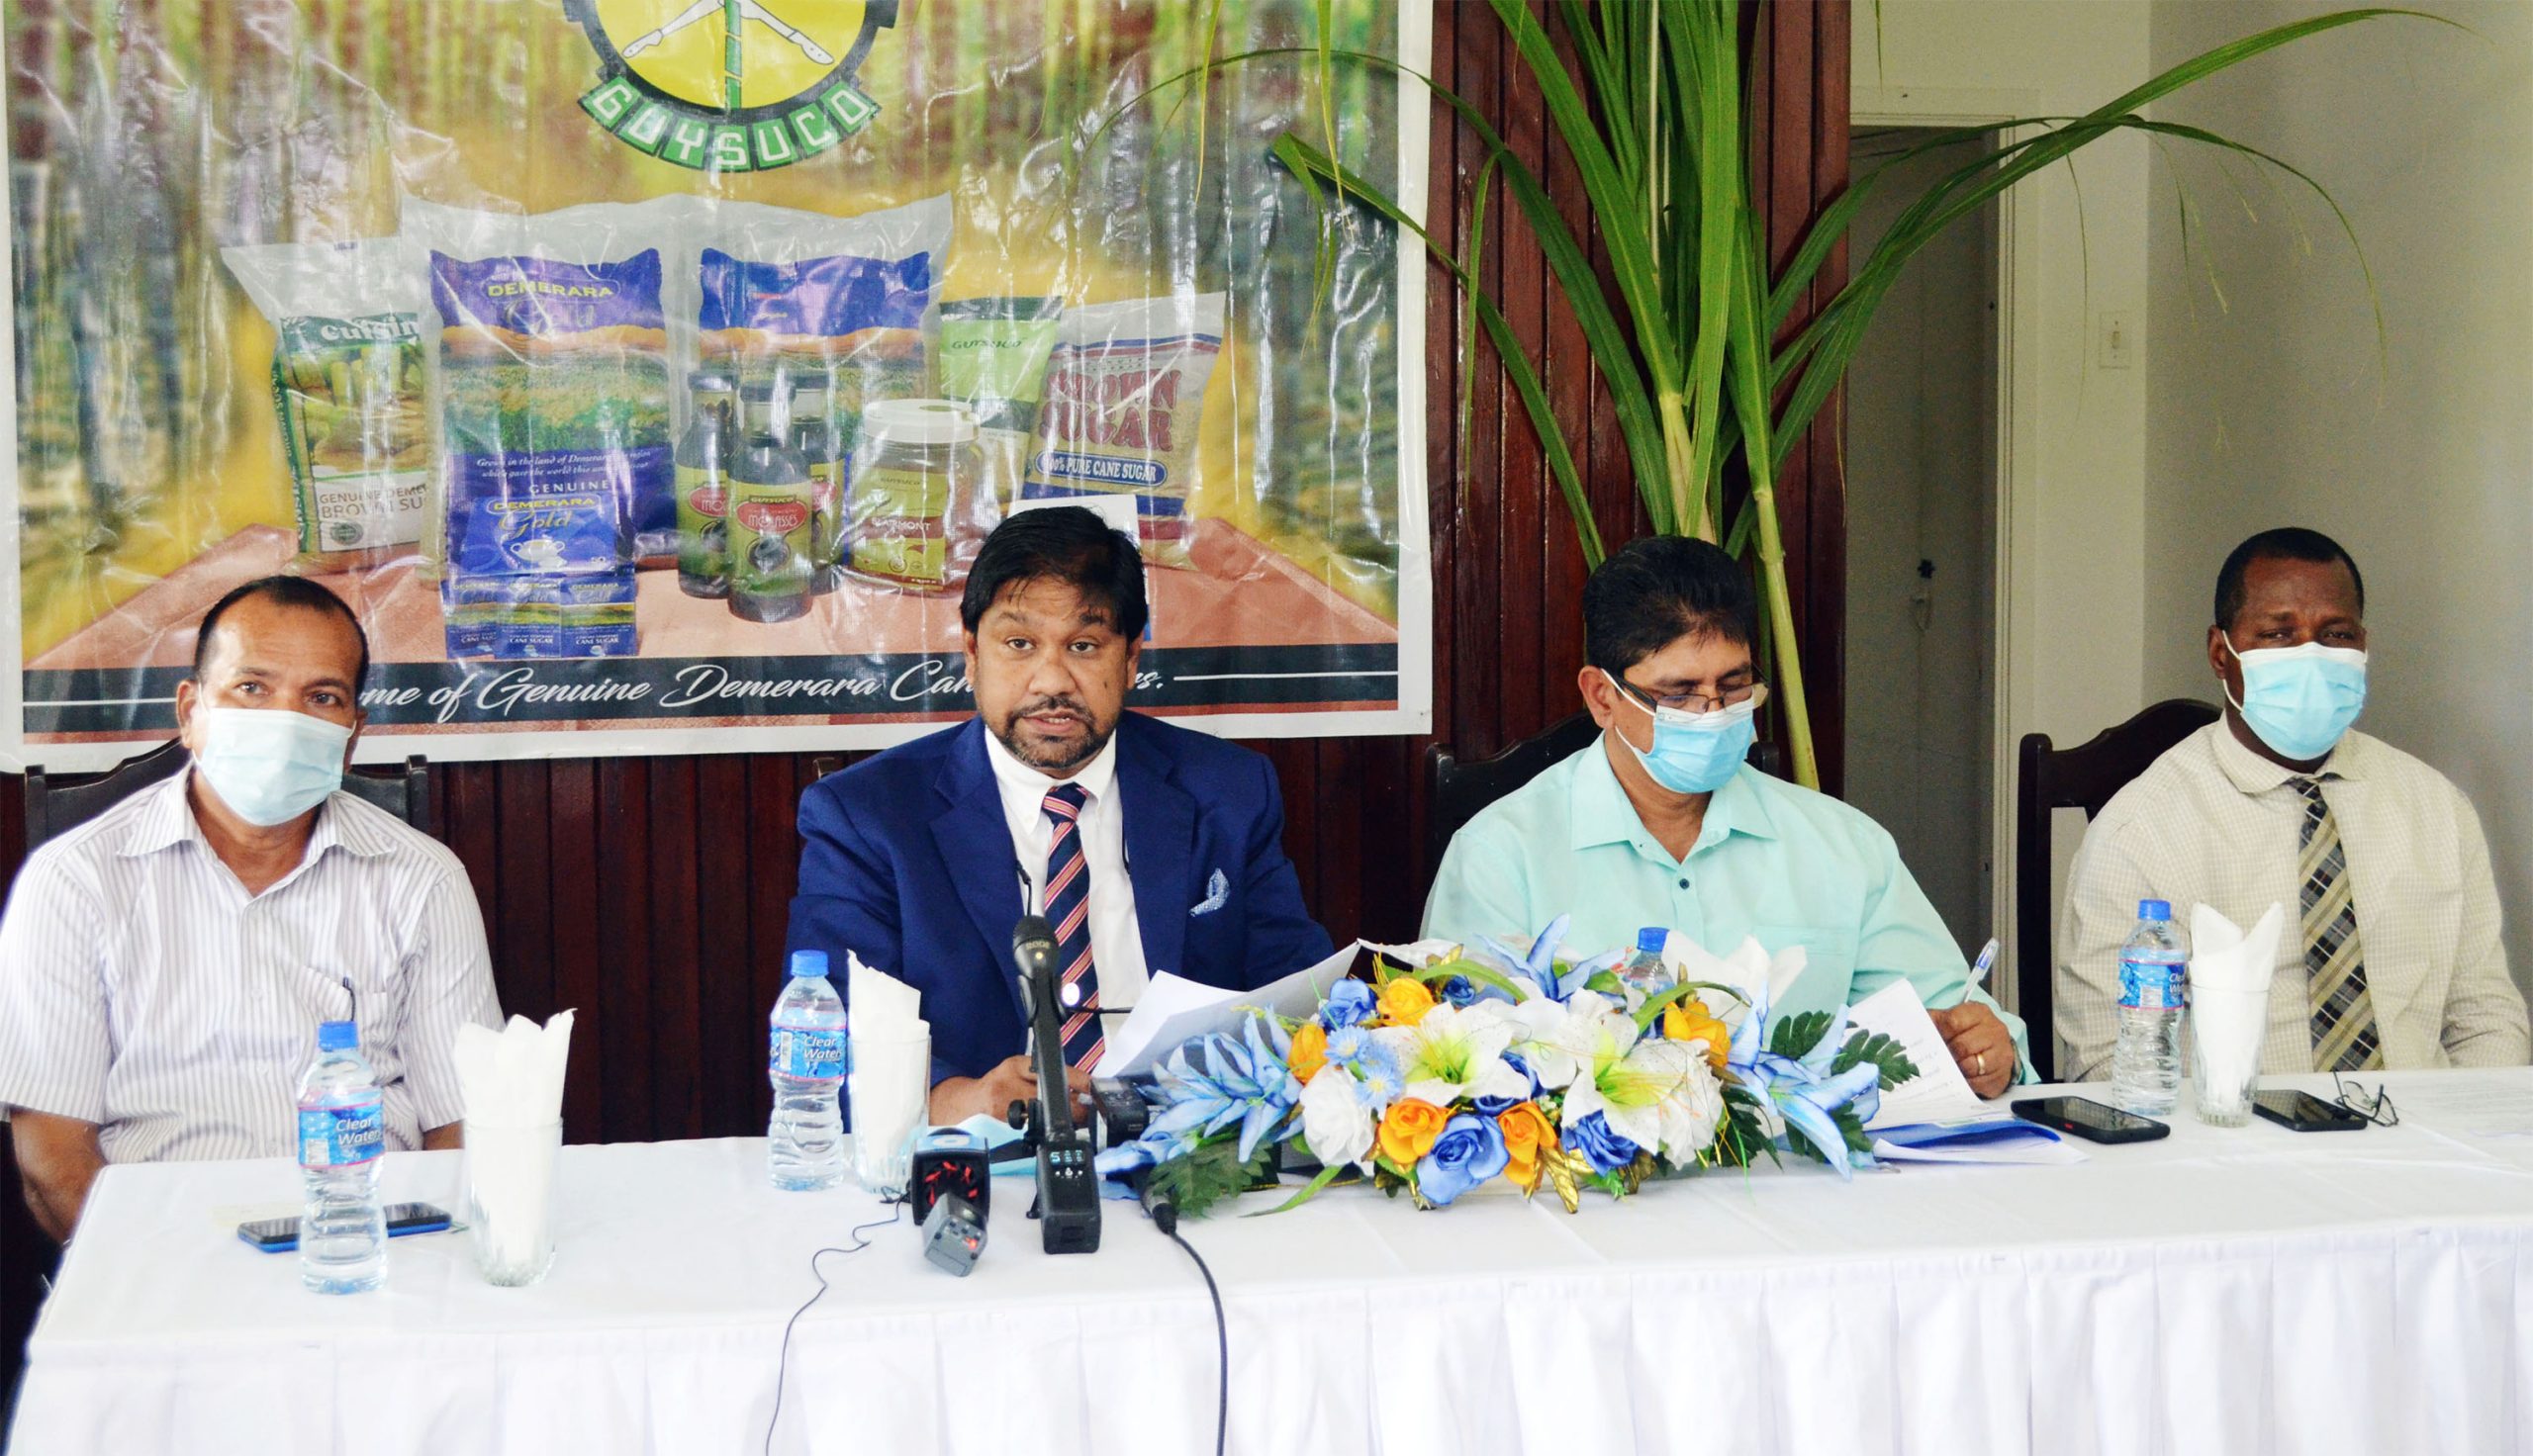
(2301, 700)
(1694, 753)
(270, 766)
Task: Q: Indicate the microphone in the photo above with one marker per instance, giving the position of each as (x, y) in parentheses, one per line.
(1067, 1188)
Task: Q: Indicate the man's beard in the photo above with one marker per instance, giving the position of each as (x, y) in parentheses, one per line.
(1054, 761)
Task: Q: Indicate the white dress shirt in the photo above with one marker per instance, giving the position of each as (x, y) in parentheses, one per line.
(143, 990)
(2214, 823)
(1116, 940)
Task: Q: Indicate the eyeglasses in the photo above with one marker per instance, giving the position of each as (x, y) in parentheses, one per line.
(1696, 702)
(2375, 1106)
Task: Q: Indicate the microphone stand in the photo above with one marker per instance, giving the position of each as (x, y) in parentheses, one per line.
(1068, 1208)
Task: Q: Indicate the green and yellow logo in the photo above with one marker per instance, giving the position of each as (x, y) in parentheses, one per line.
(731, 85)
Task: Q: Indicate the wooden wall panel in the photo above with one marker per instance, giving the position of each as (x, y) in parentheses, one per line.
(651, 894)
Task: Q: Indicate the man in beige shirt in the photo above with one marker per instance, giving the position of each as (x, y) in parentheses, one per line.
(2390, 956)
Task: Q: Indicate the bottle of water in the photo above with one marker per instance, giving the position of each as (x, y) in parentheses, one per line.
(2145, 1067)
(806, 1140)
(343, 1234)
(1643, 969)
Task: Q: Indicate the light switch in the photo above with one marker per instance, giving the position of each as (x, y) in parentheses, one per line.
(2114, 340)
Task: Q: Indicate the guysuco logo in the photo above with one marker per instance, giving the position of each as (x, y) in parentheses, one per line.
(731, 85)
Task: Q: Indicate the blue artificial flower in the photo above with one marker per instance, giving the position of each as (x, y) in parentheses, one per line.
(1469, 1151)
(1378, 1078)
(1801, 1090)
(1349, 1003)
(1227, 1081)
(1460, 990)
(1604, 1149)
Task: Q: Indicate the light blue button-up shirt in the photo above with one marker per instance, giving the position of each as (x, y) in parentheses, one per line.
(1774, 861)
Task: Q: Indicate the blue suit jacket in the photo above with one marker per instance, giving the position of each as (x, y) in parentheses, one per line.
(905, 860)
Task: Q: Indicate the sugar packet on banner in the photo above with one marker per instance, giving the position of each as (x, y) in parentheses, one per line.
(1122, 404)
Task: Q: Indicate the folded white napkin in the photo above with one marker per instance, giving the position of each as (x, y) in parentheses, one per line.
(512, 1084)
(2229, 976)
(891, 1084)
(514, 1077)
(1748, 971)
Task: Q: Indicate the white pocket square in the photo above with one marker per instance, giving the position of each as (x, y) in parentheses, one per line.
(1217, 894)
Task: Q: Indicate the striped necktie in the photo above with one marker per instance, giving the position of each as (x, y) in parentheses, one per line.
(1068, 909)
(2343, 1014)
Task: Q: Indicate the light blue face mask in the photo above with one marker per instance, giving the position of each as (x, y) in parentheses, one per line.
(1696, 752)
(270, 766)
(2301, 699)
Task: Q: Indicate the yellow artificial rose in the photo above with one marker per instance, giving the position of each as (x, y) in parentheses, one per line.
(1309, 1053)
(1527, 1136)
(1690, 1020)
(1405, 1001)
(1408, 1130)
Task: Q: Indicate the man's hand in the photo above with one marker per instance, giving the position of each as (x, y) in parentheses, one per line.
(1980, 1043)
(58, 1159)
(1013, 1079)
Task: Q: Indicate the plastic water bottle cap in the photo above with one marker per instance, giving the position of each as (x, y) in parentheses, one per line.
(338, 1036)
(1649, 939)
(2154, 910)
(808, 963)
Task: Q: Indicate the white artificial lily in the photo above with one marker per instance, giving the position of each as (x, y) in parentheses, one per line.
(1456, 1052)
(1549, 1042)
(1337, 1124)
(1657, 1093)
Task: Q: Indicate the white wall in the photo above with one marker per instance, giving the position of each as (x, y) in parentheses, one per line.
(2078, 479)
(1921, 465)
(2275, 411)
(2073, 453)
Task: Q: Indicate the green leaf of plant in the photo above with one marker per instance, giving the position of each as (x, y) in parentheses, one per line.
(1882, 1050)
(1309, 1191)
(1795, 1036)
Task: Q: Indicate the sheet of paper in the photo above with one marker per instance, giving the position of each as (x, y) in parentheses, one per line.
(1173, 1009)
(2483, 1103)
(1939, 1093)
(1991, 1140)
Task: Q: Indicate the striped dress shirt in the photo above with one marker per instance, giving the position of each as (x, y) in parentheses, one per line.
(143, 990)
(2213, 823)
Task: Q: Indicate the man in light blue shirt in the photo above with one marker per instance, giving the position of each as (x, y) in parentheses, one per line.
(1660, 823)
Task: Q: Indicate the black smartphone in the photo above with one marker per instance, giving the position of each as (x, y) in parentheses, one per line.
(2302, 1112)
(2092, 1120)
(281, 1235)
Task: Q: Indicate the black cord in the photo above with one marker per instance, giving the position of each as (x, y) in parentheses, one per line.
(1164, 1217)
(896, 1210)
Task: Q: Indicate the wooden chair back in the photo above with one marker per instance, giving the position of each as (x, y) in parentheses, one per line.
(2081, 777)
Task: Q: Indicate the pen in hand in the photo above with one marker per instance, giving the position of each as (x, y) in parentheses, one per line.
(1986, 963)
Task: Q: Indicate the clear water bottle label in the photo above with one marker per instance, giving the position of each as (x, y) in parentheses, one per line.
(801, 1052)
(2151, 985)
(341, 1137)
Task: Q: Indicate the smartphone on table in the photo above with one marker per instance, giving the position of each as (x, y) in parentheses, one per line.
(2094, 1122)
(2302, 1112)
(280, 1236)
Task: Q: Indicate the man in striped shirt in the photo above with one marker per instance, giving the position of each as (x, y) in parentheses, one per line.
(163, 967)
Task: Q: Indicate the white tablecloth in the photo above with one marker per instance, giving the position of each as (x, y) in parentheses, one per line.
(2239, 1292)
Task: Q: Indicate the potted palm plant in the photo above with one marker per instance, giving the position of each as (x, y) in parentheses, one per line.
(1686, 321)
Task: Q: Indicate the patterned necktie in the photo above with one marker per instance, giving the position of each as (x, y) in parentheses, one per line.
(2343, 1014)
(1068, 909)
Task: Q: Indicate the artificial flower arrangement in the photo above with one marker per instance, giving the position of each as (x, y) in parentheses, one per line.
(1494, 1062)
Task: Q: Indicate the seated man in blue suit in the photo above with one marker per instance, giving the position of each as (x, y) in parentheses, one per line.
(1149, 848)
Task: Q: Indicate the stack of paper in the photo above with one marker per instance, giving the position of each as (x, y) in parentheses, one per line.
(1173, 1010)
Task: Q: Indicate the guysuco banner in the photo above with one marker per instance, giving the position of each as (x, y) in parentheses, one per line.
(646, 373)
